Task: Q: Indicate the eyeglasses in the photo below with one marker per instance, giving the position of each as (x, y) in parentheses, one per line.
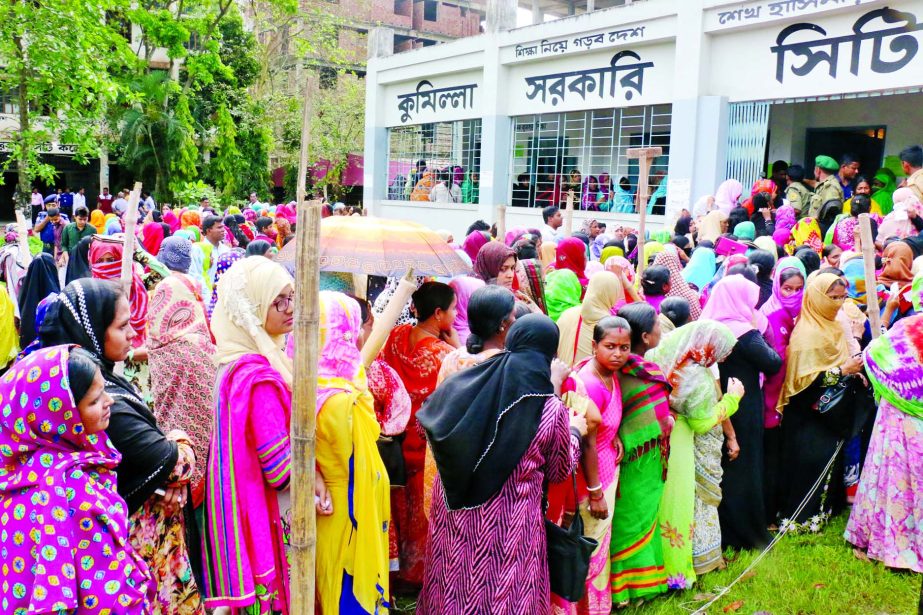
(284, 304)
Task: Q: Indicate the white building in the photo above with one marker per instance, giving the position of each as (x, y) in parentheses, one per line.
(725, 88)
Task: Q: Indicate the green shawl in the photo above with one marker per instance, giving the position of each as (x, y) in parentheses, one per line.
(562, 291)
(885, 196)
(469, 189)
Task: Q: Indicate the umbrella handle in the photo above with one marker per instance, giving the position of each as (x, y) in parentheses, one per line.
(384, 323)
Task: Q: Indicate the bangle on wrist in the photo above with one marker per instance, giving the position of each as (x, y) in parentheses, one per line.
(596, 488)
(596, 496)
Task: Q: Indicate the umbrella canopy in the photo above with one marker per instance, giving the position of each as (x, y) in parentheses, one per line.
(380, 246)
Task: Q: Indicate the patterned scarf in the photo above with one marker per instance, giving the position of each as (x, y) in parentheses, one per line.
(56, 478)
(893, 364)
(112, 270)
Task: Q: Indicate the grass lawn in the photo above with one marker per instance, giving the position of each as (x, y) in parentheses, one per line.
(804, 575)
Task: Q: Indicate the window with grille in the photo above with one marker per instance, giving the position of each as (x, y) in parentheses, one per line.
(9, 102)
(435, 162)
(586, 151)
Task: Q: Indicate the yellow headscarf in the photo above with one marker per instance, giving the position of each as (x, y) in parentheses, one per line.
(818, 342)
(9, 340)
(609, 252)
(710, 226)
(549, 253)
(602, 294)
(98, 221)
(245, 295)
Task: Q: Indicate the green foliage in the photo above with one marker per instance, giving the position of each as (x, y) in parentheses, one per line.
(225, 162)
(183, 163)
(62, 83)
(157, 134)
(191, 193)
(338, 129)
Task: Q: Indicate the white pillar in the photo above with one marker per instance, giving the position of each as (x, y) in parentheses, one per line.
(375, 163)
(496, 128)
(501, 15)
(590, 6)
(537, 15)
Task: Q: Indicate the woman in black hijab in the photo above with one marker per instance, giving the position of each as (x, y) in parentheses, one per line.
(762, 262)
(78, 261)
(498, 431)
(155, 469)
(41, 280)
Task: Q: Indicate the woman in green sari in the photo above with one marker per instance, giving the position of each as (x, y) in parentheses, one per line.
(470, 187)
(693, 488)
(636, 553)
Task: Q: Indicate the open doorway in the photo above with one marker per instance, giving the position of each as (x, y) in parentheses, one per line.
(864, 143)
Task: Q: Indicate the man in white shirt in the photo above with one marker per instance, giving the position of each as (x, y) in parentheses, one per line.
(254, 200)
(80, 199)
(553, 221)
(147, 204)
(205, 254)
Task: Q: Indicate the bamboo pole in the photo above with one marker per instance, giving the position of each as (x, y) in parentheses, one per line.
(128, 246)
(23, 238)
(644, 156)
(569, 215)
(868, 260)
(501, 222)
(303, 541)
(384, 323)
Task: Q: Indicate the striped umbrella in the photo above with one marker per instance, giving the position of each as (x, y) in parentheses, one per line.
(380, 246)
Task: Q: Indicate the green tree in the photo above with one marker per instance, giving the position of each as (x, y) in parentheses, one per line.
(338, 129)
(59, 59)
(156, 133)
(225, 162)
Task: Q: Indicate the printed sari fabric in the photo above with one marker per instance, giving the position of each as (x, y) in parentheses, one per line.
(60, 479)
(586, 384)
(636, 553)
(418, 366)
(183, 373)
(248, 465)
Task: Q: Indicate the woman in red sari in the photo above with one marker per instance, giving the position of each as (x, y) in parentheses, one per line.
(416, 354)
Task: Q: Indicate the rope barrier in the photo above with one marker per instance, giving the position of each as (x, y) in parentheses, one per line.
(782, 532)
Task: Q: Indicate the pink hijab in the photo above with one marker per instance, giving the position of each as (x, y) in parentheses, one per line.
(464, 286)
(288, 212)
(733, 303)
(172, 219)
(339, 364)
(474, 242)
(728, 194)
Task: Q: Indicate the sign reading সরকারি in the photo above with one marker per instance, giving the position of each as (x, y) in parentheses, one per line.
(555, 88)
(426, 96)
(827, 49)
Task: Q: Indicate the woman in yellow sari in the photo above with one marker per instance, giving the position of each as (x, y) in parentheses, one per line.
(605, 294)
(98, 221)
(352, 485)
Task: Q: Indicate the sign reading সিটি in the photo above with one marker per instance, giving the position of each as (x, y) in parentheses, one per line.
(555, 87)
(827, 49)
(426, 96)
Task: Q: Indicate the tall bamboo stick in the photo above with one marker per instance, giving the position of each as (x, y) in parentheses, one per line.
(128, 247)
(644, 156)
(303, 542)
(569, 215)
(868, 258)
(25, 256)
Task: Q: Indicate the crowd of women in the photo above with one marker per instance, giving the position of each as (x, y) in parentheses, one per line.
(733, 389)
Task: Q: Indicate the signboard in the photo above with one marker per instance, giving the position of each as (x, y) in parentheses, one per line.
(442, 98)
(679, 196)
(827, 54)
(611, 78)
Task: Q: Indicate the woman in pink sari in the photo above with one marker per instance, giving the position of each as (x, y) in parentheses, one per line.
(593, 382)
(249, 457)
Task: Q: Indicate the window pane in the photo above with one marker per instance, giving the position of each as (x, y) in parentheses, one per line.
(585, 152)
(435, 162)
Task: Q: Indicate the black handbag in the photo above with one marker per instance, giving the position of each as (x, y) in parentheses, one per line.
(837, 406)
(569, 554)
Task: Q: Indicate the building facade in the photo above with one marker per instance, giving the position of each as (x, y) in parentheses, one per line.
(722, 88)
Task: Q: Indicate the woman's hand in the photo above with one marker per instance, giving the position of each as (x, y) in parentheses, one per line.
(619, 449)
(177, 435)
(559, 373)
(733, 448)
(174, 499)
(323, 503)
(852, 366)
(598, 508)
(140, 355)
(451, 338)
(735, 387)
